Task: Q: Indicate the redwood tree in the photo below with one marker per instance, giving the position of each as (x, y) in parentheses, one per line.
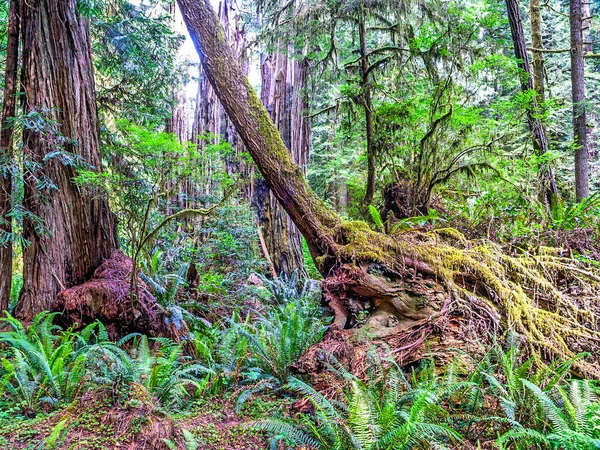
(78, 229)
(6, 142)
(283, 94)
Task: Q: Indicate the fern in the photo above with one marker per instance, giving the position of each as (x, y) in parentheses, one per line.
(572, 416)
(371, 417)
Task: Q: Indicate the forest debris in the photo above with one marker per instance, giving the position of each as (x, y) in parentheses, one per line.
(106, 297)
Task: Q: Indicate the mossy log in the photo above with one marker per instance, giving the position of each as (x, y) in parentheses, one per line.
(410, 285)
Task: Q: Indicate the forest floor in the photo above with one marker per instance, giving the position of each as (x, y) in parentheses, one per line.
(96, 422)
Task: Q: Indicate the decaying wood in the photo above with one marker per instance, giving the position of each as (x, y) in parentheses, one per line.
(106, 297)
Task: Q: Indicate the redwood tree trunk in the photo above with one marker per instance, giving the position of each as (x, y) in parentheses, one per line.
(283, 83)
(6, 142)
(540, 140)
(58, 82)
(582, 189)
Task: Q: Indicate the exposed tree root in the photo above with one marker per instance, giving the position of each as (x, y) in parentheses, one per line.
(106, 297)
(417, 287)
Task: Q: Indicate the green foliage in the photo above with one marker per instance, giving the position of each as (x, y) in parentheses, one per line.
(189, 441)
(568, 216)
(160, 368)
(572, 416)
(53, 440)
(278, 337)
(376, 217)
(384, 411)
(43, 366)
(503, 371)
(134, 49)
(49, 365)
(229, 253)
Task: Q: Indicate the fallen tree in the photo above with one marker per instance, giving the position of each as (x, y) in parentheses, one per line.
(413, 285)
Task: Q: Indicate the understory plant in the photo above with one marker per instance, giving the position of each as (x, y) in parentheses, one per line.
(382, 411)
(289, 323)
(45, 364)
(571, 416)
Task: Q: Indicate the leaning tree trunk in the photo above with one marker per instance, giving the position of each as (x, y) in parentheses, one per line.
(582, 189)
(540, 140)
(69, 231)
(6, 159)
(418, 285)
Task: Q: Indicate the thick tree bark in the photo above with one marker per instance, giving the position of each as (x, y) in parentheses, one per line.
(283, 94)
(58, 83)
(540, 140)
(6, 143)
(582, 189)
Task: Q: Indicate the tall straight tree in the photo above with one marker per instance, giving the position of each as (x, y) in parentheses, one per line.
(58, 82)
(284, 95)
(540, 140)
(582, 189)
(6, 142)
(537, 43)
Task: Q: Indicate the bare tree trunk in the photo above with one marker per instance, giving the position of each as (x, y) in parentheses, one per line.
(540, 140)
(6, 143)
(58, 83)
(582, 189)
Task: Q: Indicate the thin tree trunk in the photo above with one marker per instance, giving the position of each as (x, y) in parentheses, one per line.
(540, 140)
(582, 189)
(537, 43)
(368, 107)
(58, 83)
(6, 143)
(586, 36)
